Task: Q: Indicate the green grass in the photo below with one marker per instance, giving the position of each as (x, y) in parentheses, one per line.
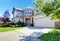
(4, 29)
(53, 35)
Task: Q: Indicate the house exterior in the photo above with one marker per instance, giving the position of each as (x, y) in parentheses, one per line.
(30, 16)
(3, 20)
(23, 15)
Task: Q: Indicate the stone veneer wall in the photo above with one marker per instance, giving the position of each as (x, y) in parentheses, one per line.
(1, 24)
(57, 24)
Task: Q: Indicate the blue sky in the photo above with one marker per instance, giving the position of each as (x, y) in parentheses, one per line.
(8, 4)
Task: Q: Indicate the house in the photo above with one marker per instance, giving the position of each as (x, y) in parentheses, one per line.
(23, 15)
(3, 20)
(30, 16)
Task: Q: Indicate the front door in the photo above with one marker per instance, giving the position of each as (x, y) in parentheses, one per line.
(28, 21)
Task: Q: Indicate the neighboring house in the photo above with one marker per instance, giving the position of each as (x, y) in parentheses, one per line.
(1, 19)
(30, 16)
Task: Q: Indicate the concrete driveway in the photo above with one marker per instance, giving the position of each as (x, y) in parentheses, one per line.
(26, 34)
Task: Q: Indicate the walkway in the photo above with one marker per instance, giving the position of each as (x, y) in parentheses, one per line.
(25, 34)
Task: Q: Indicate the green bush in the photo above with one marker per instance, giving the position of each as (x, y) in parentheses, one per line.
(18, 24)
(9, 24)
(21, 24)
(31, 25)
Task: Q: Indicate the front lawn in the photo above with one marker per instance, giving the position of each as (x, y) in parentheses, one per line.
(53, 35)
(4, 29)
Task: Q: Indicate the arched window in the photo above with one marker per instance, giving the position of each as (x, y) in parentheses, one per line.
(28, 12)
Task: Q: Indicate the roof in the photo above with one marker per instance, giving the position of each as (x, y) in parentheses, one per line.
(28, 8)
(38, 13)
(2, 17)
(18, 9)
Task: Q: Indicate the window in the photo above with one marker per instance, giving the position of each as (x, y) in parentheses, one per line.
(28, 12)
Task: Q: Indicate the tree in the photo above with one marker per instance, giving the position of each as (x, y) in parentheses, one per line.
(6, 14)
(6, 17)
(49, 7)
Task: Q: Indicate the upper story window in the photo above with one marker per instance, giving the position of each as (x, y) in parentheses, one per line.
(28, 12)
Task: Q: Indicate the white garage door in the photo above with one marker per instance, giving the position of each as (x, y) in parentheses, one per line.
(43, 22)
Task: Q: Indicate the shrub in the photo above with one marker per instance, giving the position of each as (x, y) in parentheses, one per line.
(18, 24)
(9, 24)
(31, 25)
(21, 24)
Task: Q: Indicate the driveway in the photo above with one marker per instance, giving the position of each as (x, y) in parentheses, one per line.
(26, 34)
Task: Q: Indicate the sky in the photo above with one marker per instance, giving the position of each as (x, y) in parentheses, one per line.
(9, 4)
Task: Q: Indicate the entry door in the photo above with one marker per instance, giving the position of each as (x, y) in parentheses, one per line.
(28, 21)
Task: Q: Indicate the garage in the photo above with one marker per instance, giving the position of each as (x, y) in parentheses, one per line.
(42, 21)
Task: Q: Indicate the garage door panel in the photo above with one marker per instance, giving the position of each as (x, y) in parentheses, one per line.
(44, 22)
